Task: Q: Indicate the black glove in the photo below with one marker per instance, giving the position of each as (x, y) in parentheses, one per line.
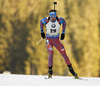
(43, 35)
(62, 36)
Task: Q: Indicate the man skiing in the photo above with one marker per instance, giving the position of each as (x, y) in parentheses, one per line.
(52, 24)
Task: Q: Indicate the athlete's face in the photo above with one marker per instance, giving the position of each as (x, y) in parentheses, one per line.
(52, 16)
(53, 19)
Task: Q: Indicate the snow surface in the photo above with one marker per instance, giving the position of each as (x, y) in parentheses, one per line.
(37, 80)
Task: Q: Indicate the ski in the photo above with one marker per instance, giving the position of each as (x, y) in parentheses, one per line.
(48, 77)
(80, 78)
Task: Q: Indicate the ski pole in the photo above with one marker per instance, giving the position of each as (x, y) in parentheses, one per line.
(67, 43)
(39, 41)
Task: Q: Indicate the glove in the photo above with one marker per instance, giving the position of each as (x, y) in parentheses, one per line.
(62, 36)
(43, 35)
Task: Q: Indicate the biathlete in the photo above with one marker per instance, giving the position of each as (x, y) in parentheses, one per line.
(53, 24)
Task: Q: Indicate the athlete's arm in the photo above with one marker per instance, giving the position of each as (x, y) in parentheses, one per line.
(42, 22)
(63, 22)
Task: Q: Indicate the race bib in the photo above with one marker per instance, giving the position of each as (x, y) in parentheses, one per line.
(52, 28)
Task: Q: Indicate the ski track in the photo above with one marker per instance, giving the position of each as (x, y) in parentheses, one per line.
(39, 80)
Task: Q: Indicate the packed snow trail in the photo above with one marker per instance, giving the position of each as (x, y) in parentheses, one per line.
(37, 80)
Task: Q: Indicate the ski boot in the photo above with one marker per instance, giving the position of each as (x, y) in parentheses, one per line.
(50, 72)
(72, 71)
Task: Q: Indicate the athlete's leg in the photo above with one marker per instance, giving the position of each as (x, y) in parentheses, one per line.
(61, 49)
(49, 46)
(59, 46)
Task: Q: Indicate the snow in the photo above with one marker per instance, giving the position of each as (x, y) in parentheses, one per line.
(39, 80)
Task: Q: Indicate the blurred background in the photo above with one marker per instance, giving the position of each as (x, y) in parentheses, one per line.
(20, 30)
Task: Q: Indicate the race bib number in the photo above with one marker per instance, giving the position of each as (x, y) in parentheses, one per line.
(52, 30)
